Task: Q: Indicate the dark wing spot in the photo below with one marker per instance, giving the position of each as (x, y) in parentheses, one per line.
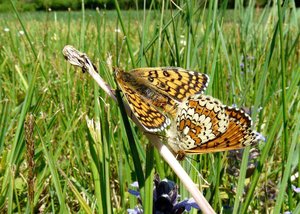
(166, 73)
(179, 77)
(162, 85)
(150, 79)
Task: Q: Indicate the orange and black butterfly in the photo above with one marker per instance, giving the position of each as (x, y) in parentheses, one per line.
(200, 123)
(153, 94)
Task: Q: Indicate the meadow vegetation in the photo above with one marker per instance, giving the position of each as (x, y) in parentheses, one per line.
(51, 160)
(44, 5)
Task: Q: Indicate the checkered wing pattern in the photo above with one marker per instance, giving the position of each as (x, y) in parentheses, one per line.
(200, 119)
(204, 125)
(159, 90)
(238, 134)
(174, 82)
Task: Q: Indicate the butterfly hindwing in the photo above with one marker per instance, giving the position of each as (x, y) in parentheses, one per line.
(205, 125)
(150, 118)
(237, 135)
(199, 119)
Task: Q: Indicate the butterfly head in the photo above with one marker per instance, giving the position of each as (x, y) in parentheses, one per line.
(117, 72)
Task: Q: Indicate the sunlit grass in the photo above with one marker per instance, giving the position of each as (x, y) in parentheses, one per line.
(240, 50)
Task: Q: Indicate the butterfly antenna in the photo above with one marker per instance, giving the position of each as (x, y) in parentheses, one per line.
(199, 174)
(119, 55)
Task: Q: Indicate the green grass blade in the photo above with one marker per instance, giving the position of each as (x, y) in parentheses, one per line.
(24, 29)
(149, 175)
(82, 31)
(132, 144)
(287, 170)
(125, 34)
(54, 174)
(18, 144)
(268, 145)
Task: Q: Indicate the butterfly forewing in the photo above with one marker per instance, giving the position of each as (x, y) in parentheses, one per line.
(174, 82)
(159, 89)
(150, 118)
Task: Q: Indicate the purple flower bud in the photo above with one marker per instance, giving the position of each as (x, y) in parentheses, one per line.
(165, 198)
(134, 192)
(136, 210)
(296, 189)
